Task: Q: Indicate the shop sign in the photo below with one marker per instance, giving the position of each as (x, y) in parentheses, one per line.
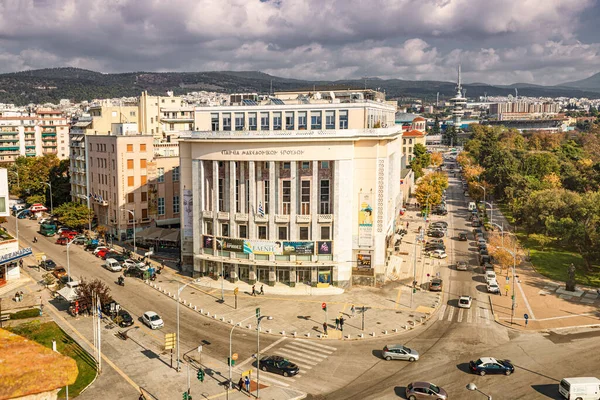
(296, 248)
(15, 255)
(324, 247)
(363, 260)
(207, 241)
(263, 247)
(228, 244)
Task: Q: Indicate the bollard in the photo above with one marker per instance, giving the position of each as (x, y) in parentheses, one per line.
(249, 326)
(373, 334)
(190, 305)
(385, 332)
(184, 302)
(259, 329)
(231, 322)
(169, 294)
(395, 330)
(207, 314)
(283, 333)
(269, 330)
(238, 324)
(195, 308)
(294, 334)
(308, 334)
(361, 336)
(214, 316)
(223, 319)
(405, 327)
(201, 311)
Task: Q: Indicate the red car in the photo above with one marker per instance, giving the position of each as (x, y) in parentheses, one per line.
(69, 234)
(62, 241)
(102, 253)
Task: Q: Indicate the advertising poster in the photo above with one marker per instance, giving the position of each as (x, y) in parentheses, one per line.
(365, 220)
(188, 213)
(263, 247)
(207, 241)
(363, 260)
(298, 248)
(324, 247)
(227, 244)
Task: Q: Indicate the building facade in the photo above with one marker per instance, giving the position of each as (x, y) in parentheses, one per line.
(294, 189)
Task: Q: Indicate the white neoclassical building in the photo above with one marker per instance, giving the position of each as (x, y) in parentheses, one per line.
(298, 188)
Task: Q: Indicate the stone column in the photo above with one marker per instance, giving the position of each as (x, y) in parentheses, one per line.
(314, 276)
(294, 185)
(292, 276)
(234, 273)
(272, 276)
(253, 206)
(232, 209)
(197, 198)
(215, 195)
(314, 202)
(242, 194)
(252, 274)
(273, 206)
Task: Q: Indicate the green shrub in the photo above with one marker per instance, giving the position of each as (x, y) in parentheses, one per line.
(34, 312)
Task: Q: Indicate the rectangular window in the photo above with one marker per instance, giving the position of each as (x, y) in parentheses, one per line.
(324, 164)
(343, 116)
(214, 121)
(161, 175)
(226, 121)
(161, 206)
(208, 227)
(305, 164)
(315, 120)
(175, 174)
(325, 233)
(130, 181)
(142, 147)
(252, 121)
(239, 122)
(221, 194)
(330, 119)
(289, 120)
(144, 214)
(305, 198)
(130, 164)
(144, 196)
(143, 163)
(304, 233)
(130, 148)
(264, 121)
(286, 197)
(131, 197)
(282, 233)
(236, 188)
(225, 230)
(302, 125)
(324, 197)
(277, 121)
(144, 180)
(262, 232)
(286, 165)
(266, 205)
(175, 204)
(243, 231)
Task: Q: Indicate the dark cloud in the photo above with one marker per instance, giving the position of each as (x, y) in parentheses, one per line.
(540, 41)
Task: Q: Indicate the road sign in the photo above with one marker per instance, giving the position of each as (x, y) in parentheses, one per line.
(507, 287)
(234, 356)
(526, 316)
(247, 373)
(236, 291)
(507, 279)
(258, 312)
(170, 339)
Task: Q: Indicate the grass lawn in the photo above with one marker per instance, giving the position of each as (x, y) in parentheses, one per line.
(44, 334)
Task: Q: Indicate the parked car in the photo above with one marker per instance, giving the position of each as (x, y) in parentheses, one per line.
(580, 388)
(102, 253)
(490, 276)
(123, 319)
(439, 223)
(437, 234)
(492, 287)
(462, 237)
(80, 239)
(112, 265)
(484, 260)
(35, 208)
(476, 223)
(461, 266)
(437, 254)
(62, 241)
(153, 320)
(129, 263)
(464, 301)
(399, 352)
(490, 365)
(48, 265)
(45, 221)
(59, 272)
(432, 241)
(111, 254)
(425, 390)
(481, 246)
(487, 267)
(99, 249)
(135, 272)
(436, 285)
(435, 246)
(279, 365)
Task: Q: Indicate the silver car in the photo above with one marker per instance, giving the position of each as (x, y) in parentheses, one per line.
(399, 352)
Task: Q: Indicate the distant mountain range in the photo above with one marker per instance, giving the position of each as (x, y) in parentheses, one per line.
(53, 84)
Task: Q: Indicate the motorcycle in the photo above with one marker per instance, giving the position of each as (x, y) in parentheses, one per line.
(121, 281)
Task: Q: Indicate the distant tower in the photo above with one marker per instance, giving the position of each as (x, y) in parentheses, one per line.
(459, 101)
(437, 100)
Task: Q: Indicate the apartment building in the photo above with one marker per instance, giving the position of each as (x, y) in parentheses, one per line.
(33, 133)
(300, 188)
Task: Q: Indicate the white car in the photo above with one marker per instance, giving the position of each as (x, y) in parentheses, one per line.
(493, 287)
(112, 265)
(464, 301)
(490, 276)
(129, 263)
(461, 266)
(37, 208)
(153, 320)
(438, 254)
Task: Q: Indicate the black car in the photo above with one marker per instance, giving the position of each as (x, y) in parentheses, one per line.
(462, 237)
(440, 212)
(134, 272)
(279, 365)
(442, 224)
(124, 319)
(437, 234)
(435, 246)
(489, 365)
(48, 265)
(116, 256)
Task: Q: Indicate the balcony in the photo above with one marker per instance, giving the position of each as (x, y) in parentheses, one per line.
(324, 218)
(46, 134)
(223, 215)
(282, 219)
(303, 219)
(259, 218)
(208, 214)
(241, 217)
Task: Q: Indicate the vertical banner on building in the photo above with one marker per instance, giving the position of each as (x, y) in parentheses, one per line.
(365, 219)
(188, 212)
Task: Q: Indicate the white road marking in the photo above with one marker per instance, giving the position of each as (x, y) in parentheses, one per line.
(267, 377)
(460, 315)
(303, 346)
(294, 356)
(469, 316)
(307, 356)
(487, 316)
(323, 346)
(451, 313)
(249, 359)
(442, 311)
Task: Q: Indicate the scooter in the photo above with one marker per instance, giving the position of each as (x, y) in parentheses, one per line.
(121, 281)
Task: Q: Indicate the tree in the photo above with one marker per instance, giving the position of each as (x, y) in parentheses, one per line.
(435, 130)
(33, 172)
(419, 150)
(415, 165)
(437, 159)
(428, 194)
(75, 215)
(87, 289)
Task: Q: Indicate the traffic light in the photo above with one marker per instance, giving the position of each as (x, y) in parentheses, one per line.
(230, 362)
(200, 375)
(187, 396)
(324, 306)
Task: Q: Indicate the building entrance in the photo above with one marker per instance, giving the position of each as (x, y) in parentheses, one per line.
(303, 275)
(263, 274)
(283, 275)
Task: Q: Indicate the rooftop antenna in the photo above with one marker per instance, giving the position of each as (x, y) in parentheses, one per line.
(271, 92)
(459, 80)
(516, 93)
(437, 99)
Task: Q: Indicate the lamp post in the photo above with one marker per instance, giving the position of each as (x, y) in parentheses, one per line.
(483, 192)
(471, 386)
(179, 301)
(50, 186)
(230, 353)
(132, 216)
(501, 230)
(258, 319)
(68, 263)
(491, 211)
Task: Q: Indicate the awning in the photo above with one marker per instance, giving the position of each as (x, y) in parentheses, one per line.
(172, 236)
(15, 255)
(169, 221)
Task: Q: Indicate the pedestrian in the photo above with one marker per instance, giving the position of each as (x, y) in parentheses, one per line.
(262, 289)
(241, 384)
(21, 263)
(406, 224)
(325, 328)
(34, 239)
(342, 324)
(247, 382)
(352, 310)
(142, 397)
(337, 323)
(253, 290)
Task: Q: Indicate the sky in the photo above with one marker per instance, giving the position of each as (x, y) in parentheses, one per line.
(495, 41)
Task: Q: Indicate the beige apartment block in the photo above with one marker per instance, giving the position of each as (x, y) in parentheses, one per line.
(163, 116)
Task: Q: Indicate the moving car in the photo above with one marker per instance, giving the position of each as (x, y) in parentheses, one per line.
(399, 352)
(425, 390)
(489, 365)
(431, 241)
(48, 265)
(462, 237)
(492, 287)
(124, 319)
(37, 208)
(587, 388)
(437, 254)
(112, 265)
(436, 285)
(129, 263)
(464, 302)
(62, 241)
(461, 266)
(279, 365)
(439, 223)
(490, 276)
(153, 320)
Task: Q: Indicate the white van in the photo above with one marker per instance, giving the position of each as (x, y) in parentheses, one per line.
(472, 206)
(580, 388)
(490, 276)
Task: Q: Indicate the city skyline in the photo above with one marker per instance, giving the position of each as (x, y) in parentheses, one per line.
(547, 42)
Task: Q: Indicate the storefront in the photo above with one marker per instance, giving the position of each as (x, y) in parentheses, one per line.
(262, 274)
(283, 275)
(9, 263)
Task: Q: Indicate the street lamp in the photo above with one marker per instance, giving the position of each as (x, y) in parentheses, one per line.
(268, 317)
(132, 216)
(179, 301)
(491, 211)
(471, 386)
(68, 263)
(50, 186)
(230, 353)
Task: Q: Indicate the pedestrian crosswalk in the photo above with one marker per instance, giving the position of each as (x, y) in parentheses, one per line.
(474, 315)
(304, 353)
